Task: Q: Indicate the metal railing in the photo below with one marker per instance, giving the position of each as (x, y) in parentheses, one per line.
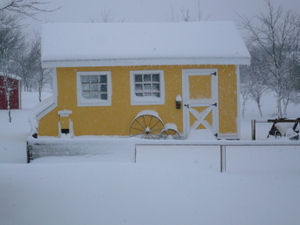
(254, 122)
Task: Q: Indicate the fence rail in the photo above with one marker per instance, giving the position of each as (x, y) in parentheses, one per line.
(222, 147)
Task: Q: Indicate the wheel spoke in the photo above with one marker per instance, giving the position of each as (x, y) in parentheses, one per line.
(144, 127)
(159, 129)
(138, 134)
(155, 124)
(150, 122)
(157, 135)
(151, 136)
(137, 129)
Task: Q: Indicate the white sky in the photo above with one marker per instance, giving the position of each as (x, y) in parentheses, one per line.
(152, 10)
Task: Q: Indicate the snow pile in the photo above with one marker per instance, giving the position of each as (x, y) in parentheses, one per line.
(203, 134)
(149, 113)
(171, 126)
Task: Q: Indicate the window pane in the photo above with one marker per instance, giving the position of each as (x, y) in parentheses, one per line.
(85, 79)
(104, 96)
(94, 88)
(86, 95)
(85, 87)
(94, 95)
(147, 77)
(103, 79)
(138, 87)
(155, 87)
(147, 87)
(155, 77)
(138, 78)
(103, 88)
(94, 79)
(156, 94)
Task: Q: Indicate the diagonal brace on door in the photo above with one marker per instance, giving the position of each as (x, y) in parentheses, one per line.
(200, 117)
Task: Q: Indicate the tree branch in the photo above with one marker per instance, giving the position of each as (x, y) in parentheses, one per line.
(27, 8)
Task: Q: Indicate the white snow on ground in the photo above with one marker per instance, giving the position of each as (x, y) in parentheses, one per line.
(174, 185)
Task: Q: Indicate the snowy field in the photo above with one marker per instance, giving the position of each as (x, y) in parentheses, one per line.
(172, 185)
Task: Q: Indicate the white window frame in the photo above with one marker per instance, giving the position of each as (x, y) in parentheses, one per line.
(143, 100)
(81, 101)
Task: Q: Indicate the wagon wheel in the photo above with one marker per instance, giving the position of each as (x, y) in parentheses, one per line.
(166, 134)
(146, 127)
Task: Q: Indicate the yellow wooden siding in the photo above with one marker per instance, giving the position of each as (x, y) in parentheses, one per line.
(116, 119)
(204, 81)
(228, 100)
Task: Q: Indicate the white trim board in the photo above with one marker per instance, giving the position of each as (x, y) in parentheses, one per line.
(214, 99)
(81, 101)
(145, 61)
(145, 101)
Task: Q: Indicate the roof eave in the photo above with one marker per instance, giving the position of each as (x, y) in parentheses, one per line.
(147, 61)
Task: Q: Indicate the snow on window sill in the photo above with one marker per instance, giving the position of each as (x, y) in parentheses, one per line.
(147, 100)
(93, 102)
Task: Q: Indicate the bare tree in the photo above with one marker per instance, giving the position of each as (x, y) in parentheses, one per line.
(11, 40)
(26, 8)
(186, 15)
(171, 17)
(253, 77)
(9, 84)
(245, 97)
(42, 75)
(29, 67)
(26, 62)
(277, 33)
(106, 16)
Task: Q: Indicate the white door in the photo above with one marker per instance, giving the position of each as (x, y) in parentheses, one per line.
(200, 100)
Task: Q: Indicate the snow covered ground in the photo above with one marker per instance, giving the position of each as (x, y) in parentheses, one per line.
(260, 186)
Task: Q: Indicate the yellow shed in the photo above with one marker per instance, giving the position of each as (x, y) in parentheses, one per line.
(141, 79)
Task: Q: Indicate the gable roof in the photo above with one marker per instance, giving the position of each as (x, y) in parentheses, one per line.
(125, 44)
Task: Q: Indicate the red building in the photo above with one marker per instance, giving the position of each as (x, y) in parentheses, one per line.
(15, 98)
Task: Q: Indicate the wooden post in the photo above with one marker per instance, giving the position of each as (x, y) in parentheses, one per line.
(222, 158)
(253, 129)
(28, 151)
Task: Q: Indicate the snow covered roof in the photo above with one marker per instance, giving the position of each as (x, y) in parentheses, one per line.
(13, 76)
(124, 44)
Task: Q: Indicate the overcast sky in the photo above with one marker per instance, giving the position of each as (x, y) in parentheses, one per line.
(152, 10)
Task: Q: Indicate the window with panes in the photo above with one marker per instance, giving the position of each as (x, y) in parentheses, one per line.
(147, 84)
(94, 86)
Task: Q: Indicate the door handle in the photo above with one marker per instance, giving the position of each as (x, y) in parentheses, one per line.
(187, 105)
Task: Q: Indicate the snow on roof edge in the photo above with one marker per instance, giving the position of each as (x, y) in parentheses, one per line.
(142, 62)
(43, 108)
(13, 76)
